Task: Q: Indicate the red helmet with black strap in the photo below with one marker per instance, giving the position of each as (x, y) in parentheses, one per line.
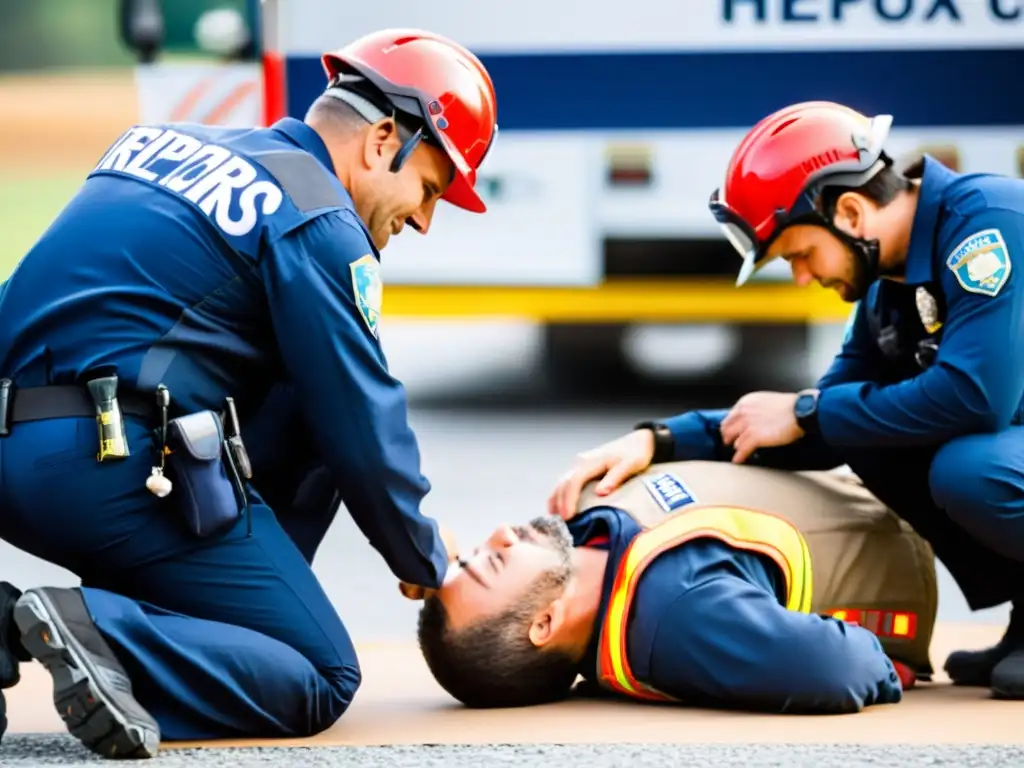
(432, 82)
(781, 167)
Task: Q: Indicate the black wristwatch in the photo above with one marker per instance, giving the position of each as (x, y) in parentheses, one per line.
(664, 443)
(806, 410)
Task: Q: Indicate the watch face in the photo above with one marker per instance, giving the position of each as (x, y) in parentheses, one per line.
(804, 405)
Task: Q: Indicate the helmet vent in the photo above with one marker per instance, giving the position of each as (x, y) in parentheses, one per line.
(784, 126)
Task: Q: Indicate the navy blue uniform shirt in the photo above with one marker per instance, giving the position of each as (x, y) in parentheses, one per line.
(219, 262)
(953, 364)
(708, 626)
(967, 231)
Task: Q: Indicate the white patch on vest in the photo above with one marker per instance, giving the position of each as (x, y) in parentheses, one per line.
(213, 177)
(669, 491)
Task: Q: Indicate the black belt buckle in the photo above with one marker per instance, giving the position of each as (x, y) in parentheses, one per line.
(6, 389)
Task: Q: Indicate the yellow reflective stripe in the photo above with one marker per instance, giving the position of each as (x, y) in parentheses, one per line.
(754, 530)
(803, 587)
(641, 551)
(616, 611)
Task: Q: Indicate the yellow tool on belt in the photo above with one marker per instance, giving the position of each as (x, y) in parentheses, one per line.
(109, 420)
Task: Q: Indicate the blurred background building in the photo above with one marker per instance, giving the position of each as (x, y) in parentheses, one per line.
(598, 260)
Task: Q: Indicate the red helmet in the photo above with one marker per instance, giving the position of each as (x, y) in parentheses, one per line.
(777, 173)
(438, 82)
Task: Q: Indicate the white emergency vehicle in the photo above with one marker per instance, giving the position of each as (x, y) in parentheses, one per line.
(616, 123)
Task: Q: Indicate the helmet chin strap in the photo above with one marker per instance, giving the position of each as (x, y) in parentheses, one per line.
(865, 252)
(866, 255)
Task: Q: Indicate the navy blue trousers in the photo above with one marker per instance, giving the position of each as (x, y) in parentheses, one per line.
(224, 637)
(967, 500)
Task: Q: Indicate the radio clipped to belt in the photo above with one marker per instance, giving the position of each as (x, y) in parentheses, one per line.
(209, 468)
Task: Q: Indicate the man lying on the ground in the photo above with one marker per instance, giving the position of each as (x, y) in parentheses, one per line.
(704, 583)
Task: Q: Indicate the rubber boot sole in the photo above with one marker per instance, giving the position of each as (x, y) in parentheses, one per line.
(1008, 693)
(84, 694)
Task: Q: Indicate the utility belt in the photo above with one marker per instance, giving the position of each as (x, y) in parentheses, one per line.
(203, 451)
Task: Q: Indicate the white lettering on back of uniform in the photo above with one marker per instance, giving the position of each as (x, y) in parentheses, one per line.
(209, 175)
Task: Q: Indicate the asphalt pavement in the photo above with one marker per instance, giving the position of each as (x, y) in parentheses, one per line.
(33, 752)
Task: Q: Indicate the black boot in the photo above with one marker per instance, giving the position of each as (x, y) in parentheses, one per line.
(1008, 676)
(91, 689)
(11, 651)
(977, 668)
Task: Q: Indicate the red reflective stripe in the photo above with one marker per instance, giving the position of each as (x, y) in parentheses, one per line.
(880, 623)
(849, 615)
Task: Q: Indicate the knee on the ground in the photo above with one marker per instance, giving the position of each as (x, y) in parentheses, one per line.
(343, 682)
(327, 706)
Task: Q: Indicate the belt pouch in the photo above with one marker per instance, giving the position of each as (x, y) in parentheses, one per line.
(202, 481)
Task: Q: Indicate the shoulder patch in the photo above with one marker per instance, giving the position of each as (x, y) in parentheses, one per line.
(368, 289)
(981, 262)
(669, 491)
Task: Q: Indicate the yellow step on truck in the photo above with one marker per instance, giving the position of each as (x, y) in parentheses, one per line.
(615, 124)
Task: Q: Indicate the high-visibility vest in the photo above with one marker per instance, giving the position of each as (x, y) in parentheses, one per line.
(870, 567)
(747, 529)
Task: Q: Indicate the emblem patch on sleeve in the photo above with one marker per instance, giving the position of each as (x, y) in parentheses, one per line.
(669, 491)
(981, 263)
(368, 289)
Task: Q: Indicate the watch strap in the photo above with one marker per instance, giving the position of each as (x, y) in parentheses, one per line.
(664, 442)
(807, 418)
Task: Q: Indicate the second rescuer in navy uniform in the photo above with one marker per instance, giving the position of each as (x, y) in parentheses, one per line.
(924, 401)
(194, 265)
